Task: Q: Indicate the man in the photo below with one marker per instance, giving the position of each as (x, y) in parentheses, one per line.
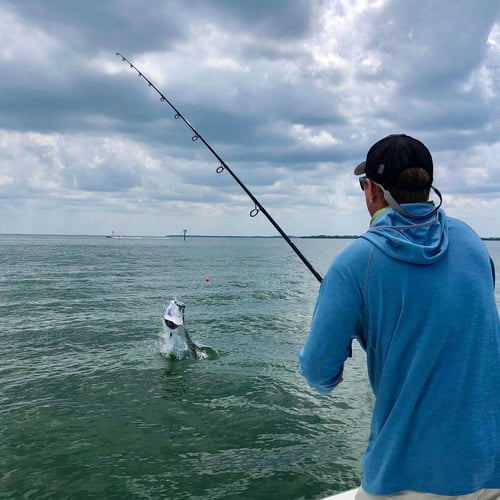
(417, 292)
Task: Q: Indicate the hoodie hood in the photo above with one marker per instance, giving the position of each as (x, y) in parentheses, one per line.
(422, 241)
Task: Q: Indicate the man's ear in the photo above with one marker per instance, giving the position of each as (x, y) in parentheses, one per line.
(373, 191)
(375, 195)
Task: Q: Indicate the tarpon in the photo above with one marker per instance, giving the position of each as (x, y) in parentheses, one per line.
(175, 339)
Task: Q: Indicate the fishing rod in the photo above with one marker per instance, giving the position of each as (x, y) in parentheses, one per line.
(223, 166)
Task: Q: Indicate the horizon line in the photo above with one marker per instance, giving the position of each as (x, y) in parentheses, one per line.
(118, 236)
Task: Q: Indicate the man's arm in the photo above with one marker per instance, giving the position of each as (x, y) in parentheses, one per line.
(336, 321)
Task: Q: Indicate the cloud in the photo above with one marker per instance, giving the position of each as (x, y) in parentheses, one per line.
(291, 94)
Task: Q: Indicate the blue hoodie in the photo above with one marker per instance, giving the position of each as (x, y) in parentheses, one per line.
(419, 298)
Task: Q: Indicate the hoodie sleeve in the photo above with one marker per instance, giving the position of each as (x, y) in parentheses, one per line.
(336, 321)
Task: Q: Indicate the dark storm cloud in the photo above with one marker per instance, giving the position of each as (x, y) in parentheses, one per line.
(66, 93)
(93, 26)
(71, 103)
(290, 93)
(90, 26)
(280, 19)
(104, 177)
(432, 51)
(425, 44)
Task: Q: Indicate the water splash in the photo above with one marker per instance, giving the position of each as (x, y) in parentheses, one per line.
(178, 346)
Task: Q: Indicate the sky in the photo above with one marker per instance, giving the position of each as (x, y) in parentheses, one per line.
(291, 94)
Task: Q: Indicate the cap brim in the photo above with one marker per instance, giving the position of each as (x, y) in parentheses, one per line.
(360, 169)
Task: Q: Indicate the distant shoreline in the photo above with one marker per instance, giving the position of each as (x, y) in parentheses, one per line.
(178, 236)
(321, 236)
(311, 237)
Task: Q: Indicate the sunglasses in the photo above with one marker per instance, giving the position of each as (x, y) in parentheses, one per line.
(362, 182)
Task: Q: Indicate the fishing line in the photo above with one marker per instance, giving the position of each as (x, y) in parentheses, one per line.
(223, 166)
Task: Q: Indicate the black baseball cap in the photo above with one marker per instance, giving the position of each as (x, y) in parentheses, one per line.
(392, 155)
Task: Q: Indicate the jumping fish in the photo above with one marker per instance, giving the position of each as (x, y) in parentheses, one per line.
(175, 340)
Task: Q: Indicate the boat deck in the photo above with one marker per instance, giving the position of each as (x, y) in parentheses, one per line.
(346, 495)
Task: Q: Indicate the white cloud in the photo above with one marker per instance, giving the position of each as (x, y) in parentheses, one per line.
(25, 43)
(291, 94)
(309, 136)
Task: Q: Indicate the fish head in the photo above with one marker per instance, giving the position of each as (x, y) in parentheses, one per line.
(174, 314)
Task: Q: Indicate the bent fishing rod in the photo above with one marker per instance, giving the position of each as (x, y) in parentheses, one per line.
(223, 166)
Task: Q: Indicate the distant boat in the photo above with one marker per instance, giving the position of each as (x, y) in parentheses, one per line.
(112, 235)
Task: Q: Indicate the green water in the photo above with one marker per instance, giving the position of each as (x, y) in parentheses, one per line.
(89, 408)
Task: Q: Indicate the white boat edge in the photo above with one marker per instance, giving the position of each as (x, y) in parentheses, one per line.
(346, 495)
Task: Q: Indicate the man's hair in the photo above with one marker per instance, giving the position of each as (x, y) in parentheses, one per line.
(416, 179)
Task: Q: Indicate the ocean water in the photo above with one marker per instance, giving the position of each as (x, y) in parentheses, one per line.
(90, 408)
